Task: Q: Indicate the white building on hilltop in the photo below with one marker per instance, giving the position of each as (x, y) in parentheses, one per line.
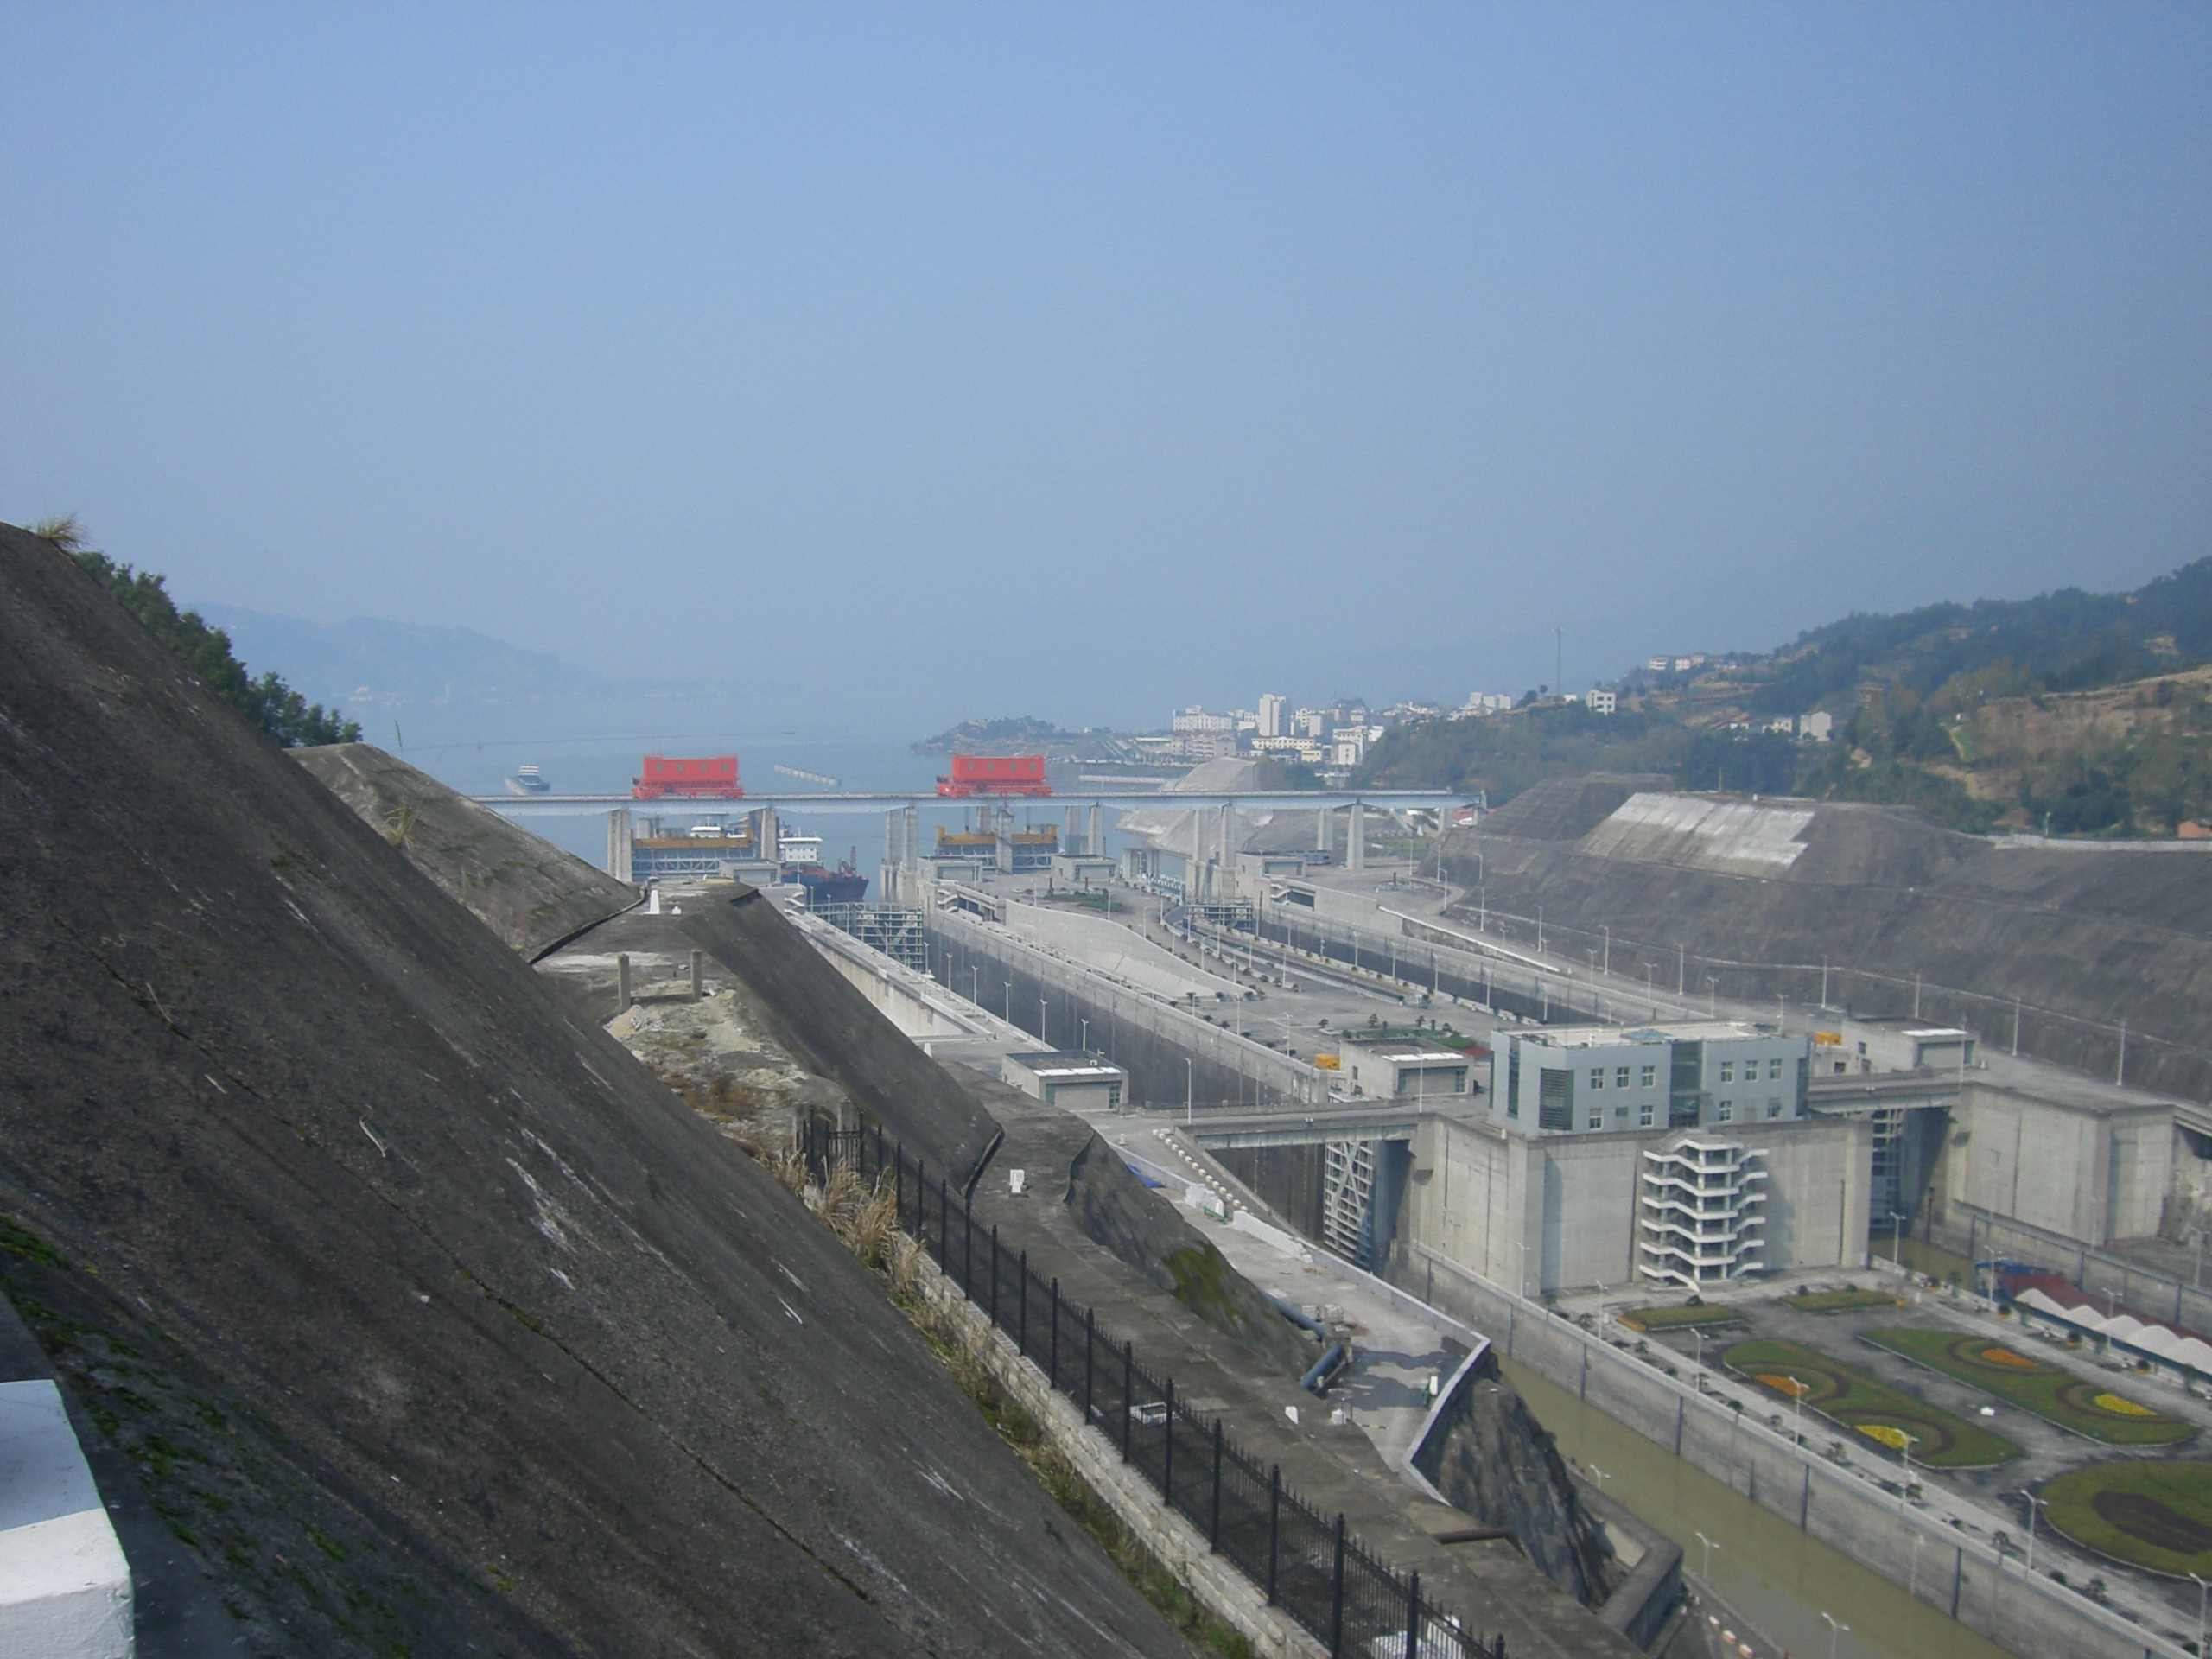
(1274, 715)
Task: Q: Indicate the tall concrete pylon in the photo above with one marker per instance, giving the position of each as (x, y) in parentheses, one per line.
(1355, 839)
(1070, 839)
(1321, 829)
(1095, 843)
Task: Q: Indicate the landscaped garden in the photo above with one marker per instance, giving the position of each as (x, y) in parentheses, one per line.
(1679, 1319)
(2155, 1512)
(1868, 1406)
(1840, 1301)
(2050, 1392)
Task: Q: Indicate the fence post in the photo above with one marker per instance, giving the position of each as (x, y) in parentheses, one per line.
(1021, 1325)
(1336, 1596)
(1128, 1383)
(1274, 1525)
(943, 1228)
(1088, 1316)
(1413, 1618)
(1167, 1457)
(899, 1185)
(1213, 1531)
(922, 1205)
(995, 1275)
(1052, 1348)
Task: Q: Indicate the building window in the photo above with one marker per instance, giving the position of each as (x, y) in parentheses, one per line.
(1598, 1077)
(1052, 1094)
(1650, 1075)
(1620, 1114)
(1554, 1098)
(1774, 1070)
(1727, 1070)
(1728, 1111)
(1113, 1096)
(1597, 1118)
(1643, 1116)
(1774, 1109)
(1620, 1076)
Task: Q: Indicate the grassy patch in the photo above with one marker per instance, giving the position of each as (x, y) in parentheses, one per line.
(1678, 1319)
(1839, 1301)
(1868, 1406)
(2055, 1395)
(2155, 1512)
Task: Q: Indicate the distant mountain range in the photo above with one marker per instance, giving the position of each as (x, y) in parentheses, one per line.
(367, 661)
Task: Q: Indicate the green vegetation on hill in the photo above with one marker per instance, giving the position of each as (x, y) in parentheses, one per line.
(267, 703)
(2083, 713)
(1010, 735)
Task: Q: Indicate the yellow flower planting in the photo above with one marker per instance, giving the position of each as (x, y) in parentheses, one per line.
(1895, 1438)
(2006, 1356)
(2122, 1408)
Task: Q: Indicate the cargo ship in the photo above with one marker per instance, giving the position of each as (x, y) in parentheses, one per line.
(697, 777)
(994, 775)
(842, 886)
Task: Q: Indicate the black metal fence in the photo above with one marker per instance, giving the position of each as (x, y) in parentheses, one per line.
(1307, 1564)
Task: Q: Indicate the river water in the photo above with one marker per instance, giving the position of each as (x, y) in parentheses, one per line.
(1778, 1577)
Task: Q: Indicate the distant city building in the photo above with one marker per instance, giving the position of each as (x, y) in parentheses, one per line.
(1819, 726)
(1600, 703)
(1655, 665)
(1274, 710)
(1486, 702)
(1312, 722)
(1302, 749)
(1195, 719)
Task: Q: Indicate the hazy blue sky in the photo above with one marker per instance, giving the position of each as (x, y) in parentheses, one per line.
(908, 362)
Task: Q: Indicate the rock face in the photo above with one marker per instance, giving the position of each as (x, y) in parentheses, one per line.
(428, 1320)
(1490, 1457)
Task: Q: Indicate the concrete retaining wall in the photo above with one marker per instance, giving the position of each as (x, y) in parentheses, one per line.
(1959, 1574)
(1178, 1546)
(1149, 1039)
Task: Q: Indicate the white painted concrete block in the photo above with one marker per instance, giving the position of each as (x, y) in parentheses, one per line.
(65, 1588)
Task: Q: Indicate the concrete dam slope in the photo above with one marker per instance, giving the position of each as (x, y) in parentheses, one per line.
(426, 1319)
(1759, 894)
(554, 908)
(529, 892)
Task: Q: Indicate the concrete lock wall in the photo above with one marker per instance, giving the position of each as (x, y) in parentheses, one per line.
(1957, 1574)
(1149, 1039)
(2089, 1175)
(1561, 1210)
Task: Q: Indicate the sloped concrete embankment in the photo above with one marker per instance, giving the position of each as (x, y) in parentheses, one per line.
(1957, 1574)
(547, 904)
(2085, 937)
(529, 893)
(1150, 1039)
(428, 1320)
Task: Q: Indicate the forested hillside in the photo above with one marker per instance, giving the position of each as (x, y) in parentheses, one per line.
(2086, 713)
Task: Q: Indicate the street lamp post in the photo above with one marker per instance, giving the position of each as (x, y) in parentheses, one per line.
(1713, 996)
(1008, 1002)
(1522, 1245)
(1905, 1487)
(2034, 1503)
(1835, 1631)
(1706, 1573)
(1041, 1027)
(1190, 1090)
(1897, 1239)
(1797, 1393)
(2201, 1586)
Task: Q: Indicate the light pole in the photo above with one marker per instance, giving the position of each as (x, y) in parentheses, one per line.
(1609, 947)
(1601, 1308)
(1522, 1245)
(1713, 996)
(2035, 1504)
(2200, 1585)
(1835, 1631)
(1086, 1036)
(1897, 1237)
(1600, 1477)
(1797, 1393)
(1190, 1090)
(1709, 1548)
(1905, 1487)
(1042, 1037)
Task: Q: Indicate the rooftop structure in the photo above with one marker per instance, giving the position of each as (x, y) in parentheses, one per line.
(1579, 1078)
(1077, 1081)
